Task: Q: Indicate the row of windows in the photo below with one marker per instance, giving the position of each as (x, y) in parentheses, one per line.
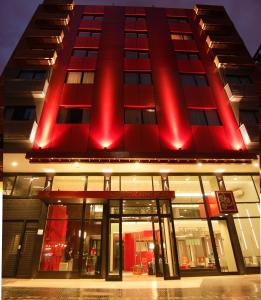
(132, 115)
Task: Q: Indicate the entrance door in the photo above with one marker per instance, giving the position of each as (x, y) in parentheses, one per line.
(141, 239)
(18, 245)
(224, 247)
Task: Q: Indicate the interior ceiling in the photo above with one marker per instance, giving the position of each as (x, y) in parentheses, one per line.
(16, 162)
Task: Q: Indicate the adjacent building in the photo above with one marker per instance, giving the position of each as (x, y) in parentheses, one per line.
(131, 137)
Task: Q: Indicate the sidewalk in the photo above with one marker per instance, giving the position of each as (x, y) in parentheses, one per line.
(235, 287)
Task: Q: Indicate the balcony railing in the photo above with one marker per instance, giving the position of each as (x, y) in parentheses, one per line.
(37, 57)
(53, 19)
(45, 36)
(233, 62)
(239, 92)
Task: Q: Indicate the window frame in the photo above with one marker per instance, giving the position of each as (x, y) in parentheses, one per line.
(93, 17)
(205, 116)
(141, 113)
(188, 55)
(182, 35)
(137, 34)
(9, 116)
(177, 20)
(195, 77)
(138, 52)
(68, 115)
(91, 33)
(86, 50)
(82, 76)
(139, 81)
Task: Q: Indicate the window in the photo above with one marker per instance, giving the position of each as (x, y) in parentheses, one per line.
(136, 54)
(89, 33)
(74, 115)
(68, 183)
(92, 17)
(137, 78)
(175, 20)
(19, 113)
(181, 36)
(28, 185)
(249, 117)
(238, 79)
(32, 74)
(86, 77)
(194, 80)
(85, 52)
(140, 116)
(136, 183)
(204, 117)
(187, 56)
(134, 18)
(134, 34)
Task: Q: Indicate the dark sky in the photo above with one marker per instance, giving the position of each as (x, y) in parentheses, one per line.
(15, 15)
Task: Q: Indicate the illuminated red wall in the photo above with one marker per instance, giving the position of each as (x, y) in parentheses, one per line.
(109, 96)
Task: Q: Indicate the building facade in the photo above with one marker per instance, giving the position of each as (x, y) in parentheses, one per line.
(131, 137)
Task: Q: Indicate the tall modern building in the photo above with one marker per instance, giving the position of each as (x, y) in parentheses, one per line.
(130, 145)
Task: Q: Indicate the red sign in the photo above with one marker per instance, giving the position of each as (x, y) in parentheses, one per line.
(226, 202)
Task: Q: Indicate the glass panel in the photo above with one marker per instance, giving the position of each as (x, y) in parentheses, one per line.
(224, 247)
(164, 206)
(201, 80)
(131, 54)
(22, 185)
(149, 116)
(143, 55)
(189, 211)
(187, 37)
(130, 34)
(197, 117)
(88, 77)
(145, 78)
(134, 207)
(95, 183)
(181, 56)
(114, 207)
(157, 248)
(115, 183)
(194, 245)
(37, 185)
(92, 248)
(176, 37)
(210, 185)
(60, 251)
(136, 183)
(28, 75)
(248, 231)
(168, 248)
(79, 52)
(248, 209)
(68, 183)
(94, 211)
(194, 56)
(84, 33)
(74, 77)
(243, 188)
(257, 182)
(212, 117)
(157, 183)
(114, 247)
(64, 211)
(142, 35)
(187, 79)
(187, 189)
(86, 115)
(133, 116)
(8, 185)
(131, 78)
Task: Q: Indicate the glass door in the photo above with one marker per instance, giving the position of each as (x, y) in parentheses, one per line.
(224, 247)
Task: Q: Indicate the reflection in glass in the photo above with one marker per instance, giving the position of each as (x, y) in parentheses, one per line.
(189, 211)
(94, 211)
(115, 183)
(248, 231)
(134, 207)
(224, 248)
(8, 185)
(187, 189)
(28, 185)
(194, 245)
(114, 247)
(95, 183)
(68, 183)
(136, 183)
(157, 183)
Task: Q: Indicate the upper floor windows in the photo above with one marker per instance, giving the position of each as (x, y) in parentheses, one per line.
(137, 78)
(187, 56)
(69, 115)
(85, 77)
(238, 79)
(136, 54)
(133, 34)
(181, 36)
(92, 17)
(249, 117)
(140, 116)
(19, 113)
(32, 74)
(85, 52)
(194, 80)
(175, 20)
(204, 117)
(89, 33)
(134, 18)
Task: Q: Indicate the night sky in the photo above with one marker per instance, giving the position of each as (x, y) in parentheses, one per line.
(15, 15)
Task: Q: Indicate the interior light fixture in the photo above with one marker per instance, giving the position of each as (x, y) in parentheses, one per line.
(14, 164)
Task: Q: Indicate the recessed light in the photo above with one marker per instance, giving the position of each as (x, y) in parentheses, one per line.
(199, 164)
(106, 170)
(76, 164)
(14, 163)
(49, 170)
(219, 170)
(59, 201)
(235, 178)
(164, 171)
(256, 164)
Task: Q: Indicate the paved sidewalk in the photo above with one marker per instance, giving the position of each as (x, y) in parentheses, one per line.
(194, 288)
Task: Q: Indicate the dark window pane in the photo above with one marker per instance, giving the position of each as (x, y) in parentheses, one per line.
(86, 115)
(201, 80)
(131, 78)
(75, 116)
(188, 79)
(177, 20)
(84, 33)
(98, 18)
(130, 34)
(88, 17)
(8, 185)
(143, 54)
(133, 116)
(39, 75)
(193, 56)
(130, 19)
(79, 52)
(92, 53)
(26, 75)
(175, 36)
(197, 117)
(149, 116)
(187, 37)
(245, 80)
(131, 54)
(181, 56)
(249, 117)
(145, 78)
(95, 34)
(20, 113)
(142, 35)
(212, 117)
(233, 79)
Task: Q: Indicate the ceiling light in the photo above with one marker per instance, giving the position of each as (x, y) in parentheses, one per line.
(199, 164)
(219, 170)
(14, 163)
(49, 170)
(164, 171)
(106, 170)
(76, 164)
(256, 164)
